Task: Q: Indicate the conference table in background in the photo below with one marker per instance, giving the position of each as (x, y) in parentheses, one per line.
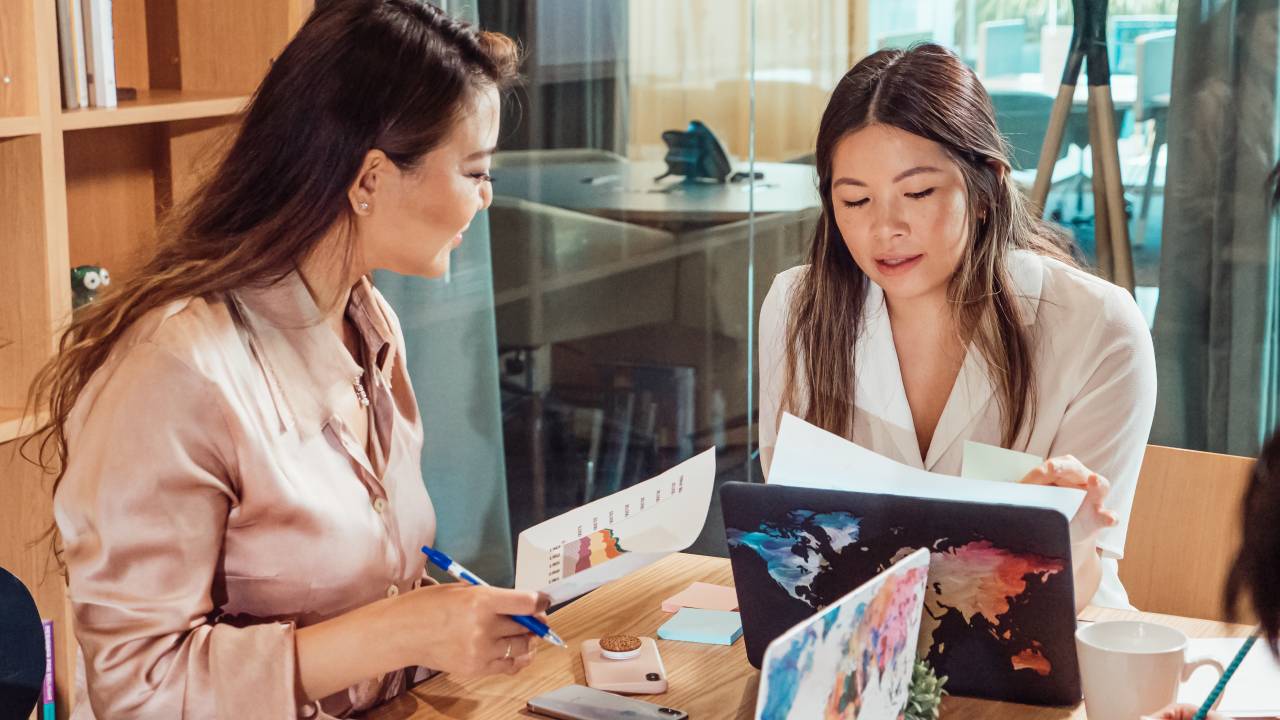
(627, 191)
(706, 681)
(1124, 88)
(604, 262)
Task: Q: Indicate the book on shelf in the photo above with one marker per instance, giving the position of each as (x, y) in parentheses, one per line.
(100, 52)
(75, 80)
(46, 693)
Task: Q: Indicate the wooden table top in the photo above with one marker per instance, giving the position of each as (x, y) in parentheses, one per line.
(706, 681)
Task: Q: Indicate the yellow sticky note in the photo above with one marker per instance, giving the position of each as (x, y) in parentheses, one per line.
(989, 462)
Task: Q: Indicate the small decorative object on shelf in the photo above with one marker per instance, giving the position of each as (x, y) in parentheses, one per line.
(86, 281)
(925, 702)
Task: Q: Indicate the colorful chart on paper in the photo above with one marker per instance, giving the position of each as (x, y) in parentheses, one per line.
(587, 552)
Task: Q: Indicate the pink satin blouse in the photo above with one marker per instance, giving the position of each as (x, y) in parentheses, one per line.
(214, 501)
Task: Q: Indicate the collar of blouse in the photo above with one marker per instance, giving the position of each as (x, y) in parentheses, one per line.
(307, 367)
(879, 377)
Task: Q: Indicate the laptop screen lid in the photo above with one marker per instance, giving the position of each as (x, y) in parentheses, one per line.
(852, 659)
(999, 609)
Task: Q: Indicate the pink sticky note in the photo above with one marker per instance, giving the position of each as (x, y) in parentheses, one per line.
(704, 596)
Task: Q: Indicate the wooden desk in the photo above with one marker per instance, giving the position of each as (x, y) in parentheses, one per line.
(706, 681)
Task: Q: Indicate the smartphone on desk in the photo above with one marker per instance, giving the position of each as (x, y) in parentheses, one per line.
(576, 702)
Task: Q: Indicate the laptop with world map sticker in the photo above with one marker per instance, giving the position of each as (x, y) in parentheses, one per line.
(999, 606)
(852, 659)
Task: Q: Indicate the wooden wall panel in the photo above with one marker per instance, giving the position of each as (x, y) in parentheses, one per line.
(227, 46)
(18, 89)
(195, 147)
(129, 24)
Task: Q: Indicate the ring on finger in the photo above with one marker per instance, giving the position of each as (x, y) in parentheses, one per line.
(507, 655)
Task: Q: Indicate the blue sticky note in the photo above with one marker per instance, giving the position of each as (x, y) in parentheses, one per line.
(713, 627)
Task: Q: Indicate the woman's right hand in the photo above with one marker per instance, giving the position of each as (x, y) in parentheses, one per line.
(466, 630)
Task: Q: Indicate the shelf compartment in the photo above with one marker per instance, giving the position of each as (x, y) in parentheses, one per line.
(26, 327)
(122, 179)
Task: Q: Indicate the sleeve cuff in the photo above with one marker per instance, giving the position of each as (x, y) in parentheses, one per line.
(254, 670)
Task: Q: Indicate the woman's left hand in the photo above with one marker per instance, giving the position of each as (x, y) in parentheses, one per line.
(1092, 518)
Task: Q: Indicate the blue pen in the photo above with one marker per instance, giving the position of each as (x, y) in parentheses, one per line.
(449, 565)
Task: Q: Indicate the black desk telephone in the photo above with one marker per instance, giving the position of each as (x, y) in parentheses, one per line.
(695, 153)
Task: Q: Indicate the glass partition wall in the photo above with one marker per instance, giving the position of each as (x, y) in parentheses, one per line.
(615, 302)
(621, 293)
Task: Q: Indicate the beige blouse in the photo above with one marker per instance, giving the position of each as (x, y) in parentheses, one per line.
(1095, 391)
(214, 501)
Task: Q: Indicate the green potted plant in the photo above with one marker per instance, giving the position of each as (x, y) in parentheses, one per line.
(925, 701)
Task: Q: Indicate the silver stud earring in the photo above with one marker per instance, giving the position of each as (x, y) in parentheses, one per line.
(364, 206)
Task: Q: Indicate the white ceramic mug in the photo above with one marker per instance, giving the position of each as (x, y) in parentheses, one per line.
(1130, 669)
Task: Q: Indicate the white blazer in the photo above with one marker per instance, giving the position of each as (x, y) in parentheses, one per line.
(1095, 391)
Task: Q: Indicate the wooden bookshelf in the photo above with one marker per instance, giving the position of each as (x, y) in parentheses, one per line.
(88, 186)
(15, 423)
(11, 420)
(18, 126)
(155, 106)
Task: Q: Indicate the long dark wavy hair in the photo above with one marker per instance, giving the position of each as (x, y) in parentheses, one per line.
(926, 91)
(1255, 574)
(394, 75)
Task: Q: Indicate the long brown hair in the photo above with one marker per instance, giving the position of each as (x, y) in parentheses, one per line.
(926, 91)
(360, 74)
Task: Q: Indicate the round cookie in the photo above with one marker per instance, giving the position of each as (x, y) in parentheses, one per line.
(620, 647)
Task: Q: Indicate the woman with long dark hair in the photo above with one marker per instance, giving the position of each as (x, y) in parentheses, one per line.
(234, 436)
(937, 308)
(1254, 581)
(1255, 575)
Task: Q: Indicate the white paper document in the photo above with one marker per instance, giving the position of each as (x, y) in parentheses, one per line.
(992, 462)
(604, 540)
(1253, 691)
(808, 456)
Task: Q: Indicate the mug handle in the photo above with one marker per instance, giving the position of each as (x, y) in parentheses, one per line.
(1193, 665)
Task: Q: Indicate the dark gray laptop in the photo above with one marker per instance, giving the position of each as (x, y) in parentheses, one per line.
(999, 617)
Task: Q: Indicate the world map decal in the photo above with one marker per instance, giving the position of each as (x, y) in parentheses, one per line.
(978, 599)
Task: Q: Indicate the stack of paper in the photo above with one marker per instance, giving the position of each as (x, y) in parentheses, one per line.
(808, 456)
(703, 595)
(1254, 690)
(710, 627)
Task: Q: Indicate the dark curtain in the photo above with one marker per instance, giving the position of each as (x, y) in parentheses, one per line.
(1216, 326)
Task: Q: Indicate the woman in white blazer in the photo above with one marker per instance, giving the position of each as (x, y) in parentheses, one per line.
(937, 308)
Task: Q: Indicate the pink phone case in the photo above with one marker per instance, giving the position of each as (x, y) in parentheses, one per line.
(641, 675)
